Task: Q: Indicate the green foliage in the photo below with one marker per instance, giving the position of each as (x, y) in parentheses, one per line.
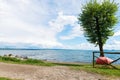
(98, 20)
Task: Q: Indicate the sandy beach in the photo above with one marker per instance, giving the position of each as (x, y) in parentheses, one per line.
(29, 72)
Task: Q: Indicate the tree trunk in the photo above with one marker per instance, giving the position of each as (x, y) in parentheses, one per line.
(99, 38)
(101, 50)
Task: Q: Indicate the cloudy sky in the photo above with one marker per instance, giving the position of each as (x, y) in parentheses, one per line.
(50, 24)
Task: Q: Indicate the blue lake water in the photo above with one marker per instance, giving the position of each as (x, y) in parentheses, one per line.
(58, 55)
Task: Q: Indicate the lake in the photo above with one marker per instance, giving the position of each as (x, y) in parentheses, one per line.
(58, 55)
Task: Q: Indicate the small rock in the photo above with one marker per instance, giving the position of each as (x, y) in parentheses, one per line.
(10, 55)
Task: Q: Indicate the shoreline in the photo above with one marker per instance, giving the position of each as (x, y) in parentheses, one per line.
(56, 55)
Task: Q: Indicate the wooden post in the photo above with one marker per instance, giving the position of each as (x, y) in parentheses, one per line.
(93, 59)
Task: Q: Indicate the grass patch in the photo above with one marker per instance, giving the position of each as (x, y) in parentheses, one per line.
(36, 62)
(99, 70)
(103, 70)
(3, 78)
(9, 59)
(68, 64)
(26, 61)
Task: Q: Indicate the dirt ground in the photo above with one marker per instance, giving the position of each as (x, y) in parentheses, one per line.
(29, 72)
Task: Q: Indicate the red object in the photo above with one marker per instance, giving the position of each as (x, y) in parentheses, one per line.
(103, 60)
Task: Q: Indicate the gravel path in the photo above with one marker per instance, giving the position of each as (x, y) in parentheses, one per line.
(29, 72)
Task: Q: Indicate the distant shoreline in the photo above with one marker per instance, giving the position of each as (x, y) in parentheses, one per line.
(40, 49)
(50, 49)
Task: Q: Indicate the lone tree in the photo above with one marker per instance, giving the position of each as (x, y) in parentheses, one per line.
(98, 20)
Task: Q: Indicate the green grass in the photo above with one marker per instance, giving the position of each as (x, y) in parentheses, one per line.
(86, 67)
(100, 70)
(3, 78)
(103, 70)
(27, 61)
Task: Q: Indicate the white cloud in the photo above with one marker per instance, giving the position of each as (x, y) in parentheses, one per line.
(69, 7)
(87, 46)
(15, 28)
(27, 23)
(115, 45)
(24, 21)
(28, 34)
(77, 31)
(116, 42)
(61, 21)
(81, 46)
(117, 33)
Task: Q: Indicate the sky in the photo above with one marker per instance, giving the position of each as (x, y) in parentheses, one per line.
(47, 24)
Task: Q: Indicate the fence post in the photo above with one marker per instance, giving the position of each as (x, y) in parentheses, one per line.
(93, 60)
